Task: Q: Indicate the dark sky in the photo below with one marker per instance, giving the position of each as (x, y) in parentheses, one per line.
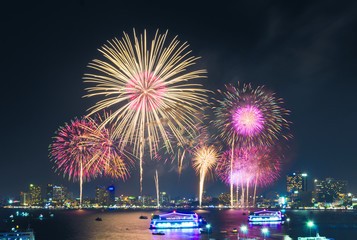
(305, 51)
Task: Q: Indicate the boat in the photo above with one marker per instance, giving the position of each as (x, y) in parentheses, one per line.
(143, 217)
(266, 216)
(26, 235)
(318, 237)
(158, 233)
(98, 219)
(175, 220)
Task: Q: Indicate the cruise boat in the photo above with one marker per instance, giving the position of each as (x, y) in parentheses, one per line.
(27, 235)
(318, 237)
(175, 220)
(266, 216)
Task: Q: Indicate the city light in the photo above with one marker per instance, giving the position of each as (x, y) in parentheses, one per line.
(244, 229)
(304, 174)
(310, 224)
(265, 231)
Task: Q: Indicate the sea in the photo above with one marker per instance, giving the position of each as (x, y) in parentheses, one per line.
(118, 224)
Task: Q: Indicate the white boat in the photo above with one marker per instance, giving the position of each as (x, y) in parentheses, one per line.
(175, 220)
(318, 237)
(28, 235)
(265, 216)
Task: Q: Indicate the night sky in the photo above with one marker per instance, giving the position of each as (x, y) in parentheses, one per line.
(305, 51)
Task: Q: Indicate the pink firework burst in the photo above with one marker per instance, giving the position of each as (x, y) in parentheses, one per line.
(248, 120)
(259, 164)
(145, 92)
(75, 149)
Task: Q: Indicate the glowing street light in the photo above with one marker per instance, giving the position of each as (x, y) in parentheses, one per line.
(265, 232)
(244, 230)
(208, 227)
(288, 221)
(310, 224)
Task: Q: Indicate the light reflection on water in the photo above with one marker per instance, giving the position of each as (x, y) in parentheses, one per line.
(120, 224)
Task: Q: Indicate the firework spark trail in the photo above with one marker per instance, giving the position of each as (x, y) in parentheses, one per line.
(156, 178)
(117, 160)
(205, 158)
(185, 149)
(258, 165)
(249, 117)
(75, 151)
(149, 89)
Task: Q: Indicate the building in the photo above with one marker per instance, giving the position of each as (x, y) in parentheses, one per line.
(49, 192)
(35, 195)
(25, 198)
(329, 190)
(296, 182)
(111, 196)
(59, 193)
(164, 198)
(102, 195)
(296, 188)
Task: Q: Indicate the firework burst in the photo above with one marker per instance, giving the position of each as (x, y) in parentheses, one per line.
(248, 116)
(205, 158)
(76, 152)
(149, 89)
(117, 161)
(184, 149)
(258, 165)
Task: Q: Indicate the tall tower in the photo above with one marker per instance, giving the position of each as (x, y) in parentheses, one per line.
(111, 197)
(35, 195)
(296, 182)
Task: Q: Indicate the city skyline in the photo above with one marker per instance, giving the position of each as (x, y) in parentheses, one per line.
(311, 68)
(295, 183)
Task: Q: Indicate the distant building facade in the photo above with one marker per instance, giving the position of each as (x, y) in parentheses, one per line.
(296, 188)
(164, 198)
(105, 196)
(329, 190)
(296, 182)
(35, 195)
(25, 198)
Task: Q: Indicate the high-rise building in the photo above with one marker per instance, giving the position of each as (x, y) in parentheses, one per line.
(24, 198)
(329, 190)
(101, 195)
(111, 195)
(164, 198)
(49, 192)
(59, 193)
(296, 182)
(35, 195)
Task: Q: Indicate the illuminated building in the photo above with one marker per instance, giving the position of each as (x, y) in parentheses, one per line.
(55, 194)
(164, 198)
(59, 193)
(49, 192)
(329, 190)
(102, 195)
(224, 199)
(296, 188)
(35, 195)
(296, 182)
(24, 198)
(111, 195)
